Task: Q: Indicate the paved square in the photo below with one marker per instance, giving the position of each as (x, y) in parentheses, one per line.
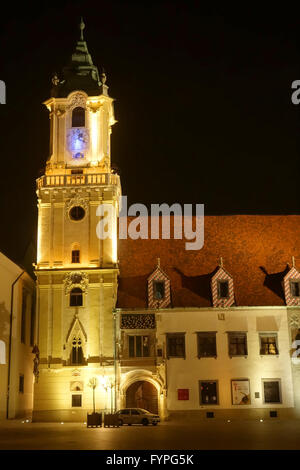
(206, 435)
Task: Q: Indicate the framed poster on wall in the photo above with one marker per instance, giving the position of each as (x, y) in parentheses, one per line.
(240, 389)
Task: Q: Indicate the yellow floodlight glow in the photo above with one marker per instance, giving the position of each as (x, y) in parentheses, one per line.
(94, 135)
(114, 241)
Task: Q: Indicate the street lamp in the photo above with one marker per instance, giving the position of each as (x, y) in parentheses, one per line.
(93, 382)
(108, 383)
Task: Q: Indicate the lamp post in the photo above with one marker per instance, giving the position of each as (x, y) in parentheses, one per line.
(93, 382)
(108, 383)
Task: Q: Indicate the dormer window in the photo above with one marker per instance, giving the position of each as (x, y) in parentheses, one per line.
(223, 289)
(295, 288)
(158, 290)
(78, 117)
(291, 284)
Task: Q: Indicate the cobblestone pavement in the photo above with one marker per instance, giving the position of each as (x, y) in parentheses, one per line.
(207, 435)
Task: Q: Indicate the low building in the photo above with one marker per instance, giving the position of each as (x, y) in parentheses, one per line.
(213, 330)
(17, 339)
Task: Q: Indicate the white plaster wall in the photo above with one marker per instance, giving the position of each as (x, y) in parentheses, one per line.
(186, 373)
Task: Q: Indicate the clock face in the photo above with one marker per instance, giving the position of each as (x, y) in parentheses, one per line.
(78, 140)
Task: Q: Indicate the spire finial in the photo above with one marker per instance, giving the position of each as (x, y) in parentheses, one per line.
(221, 262)
(158, 262)
(293, 261)
(81, 27)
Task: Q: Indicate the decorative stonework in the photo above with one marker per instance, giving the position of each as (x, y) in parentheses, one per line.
(76, 279)
(294, 320)
(60, 112)
(138, 321)
(77, 200)
(76, 386)
(94, 108)
(77, 99)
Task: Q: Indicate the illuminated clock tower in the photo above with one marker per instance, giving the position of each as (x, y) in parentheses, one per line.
(76, 271)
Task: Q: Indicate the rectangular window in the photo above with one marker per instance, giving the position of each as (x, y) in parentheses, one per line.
(208, 392)
(23, 316)
(77, 400)
(138, 346)
(21, 383)
(295, 288)
(272, 393)
(183, 394)
(32, 320)
(237, 344)
(223, 289)
(76, 298)
(268, 344)
(176, 345)
(207, 346)
(76, 256)
(158, 290)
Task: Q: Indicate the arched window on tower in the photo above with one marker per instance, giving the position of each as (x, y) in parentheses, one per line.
(2, 352)
(76, 297)
(77, 353)
(78, 117)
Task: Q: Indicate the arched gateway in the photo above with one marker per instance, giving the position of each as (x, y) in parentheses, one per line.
(142, 394)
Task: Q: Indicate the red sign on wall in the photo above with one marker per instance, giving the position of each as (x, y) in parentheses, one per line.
(183, 394)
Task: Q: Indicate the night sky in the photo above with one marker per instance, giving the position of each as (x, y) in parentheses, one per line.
(203, 103)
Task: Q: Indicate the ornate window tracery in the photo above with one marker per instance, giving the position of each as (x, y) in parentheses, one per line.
(77, 352)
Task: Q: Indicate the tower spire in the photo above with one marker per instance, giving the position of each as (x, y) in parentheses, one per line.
(80, 73)
(81, 27)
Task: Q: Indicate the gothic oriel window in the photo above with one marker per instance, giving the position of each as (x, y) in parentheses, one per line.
(78, 117)
(77, 353)
(138, 346)
(76, 298)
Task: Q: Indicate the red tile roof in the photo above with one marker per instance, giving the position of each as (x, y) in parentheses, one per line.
(256, 251)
